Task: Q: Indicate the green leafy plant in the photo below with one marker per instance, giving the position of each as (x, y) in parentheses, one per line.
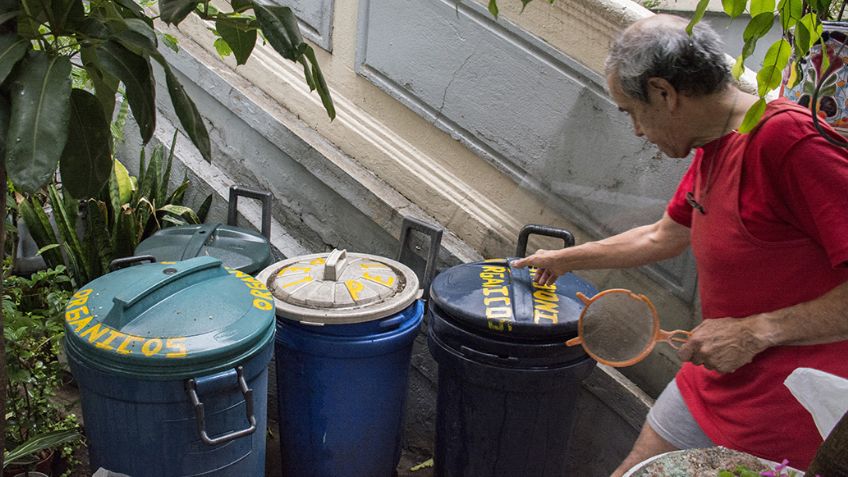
(779, 470)
(34, 309)
(91, 233)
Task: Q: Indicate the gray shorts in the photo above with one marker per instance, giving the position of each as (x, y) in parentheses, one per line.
(671, 419)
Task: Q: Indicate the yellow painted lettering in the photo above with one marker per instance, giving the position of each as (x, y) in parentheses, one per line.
(240, 274)
(545, 295)
(294, 270)
(385, 281)
(126, 343)
(151, 347)
(318, 261)
(492, 283)
(105, 343)
(489, 301)
(499, 312)
(261, 294)
(177, 344)
(305, 279)
(263, 305)
(546, 306)
(256, 285)
(80, 324)
(75, 314)
(550, 287)
(367, 265)
(490, 268)
(83, 293)
(354, 287)
(540, 315)
(496, 291)
(94, 333)
(491, 275)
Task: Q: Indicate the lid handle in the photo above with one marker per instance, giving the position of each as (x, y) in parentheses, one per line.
(335, 265)
(261, 195)
(533, 229)
(149, 283)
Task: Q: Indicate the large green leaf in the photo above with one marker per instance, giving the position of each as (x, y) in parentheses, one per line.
(38, 124)
(752, 117)
(87, 159)
(174, 11)
(700, 9)
(775, 61)
(276, 23)
(190, 118)
(240, 35)
(65, 15)
(123, 184)
(493, 7)
(758, 26)
(790, 12)
(320, 84)
(734, 8)
(135, 35)
(134, 71)
(12, 49)
(760, 6)
(105, 85)
(32, 15)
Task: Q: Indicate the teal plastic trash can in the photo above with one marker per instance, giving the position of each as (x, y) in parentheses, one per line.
(345, 328)
(171, 361)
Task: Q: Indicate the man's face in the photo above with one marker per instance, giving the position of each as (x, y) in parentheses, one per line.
(651, 120)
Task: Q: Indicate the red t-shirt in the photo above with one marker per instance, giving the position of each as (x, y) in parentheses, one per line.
(775, 234)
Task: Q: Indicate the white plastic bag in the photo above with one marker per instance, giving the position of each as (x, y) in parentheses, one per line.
(824, 395)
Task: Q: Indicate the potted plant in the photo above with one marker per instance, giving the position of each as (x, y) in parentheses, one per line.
(37, 423)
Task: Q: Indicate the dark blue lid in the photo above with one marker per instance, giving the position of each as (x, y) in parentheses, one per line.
(495, 298)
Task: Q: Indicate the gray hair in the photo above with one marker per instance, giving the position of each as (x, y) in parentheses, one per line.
(659, 47)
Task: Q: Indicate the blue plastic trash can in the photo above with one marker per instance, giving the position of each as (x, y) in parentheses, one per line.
(345, 328)
(171, 361)
(508, 384)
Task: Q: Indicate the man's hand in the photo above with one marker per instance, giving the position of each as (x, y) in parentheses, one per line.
(548, 266)
(725, 344)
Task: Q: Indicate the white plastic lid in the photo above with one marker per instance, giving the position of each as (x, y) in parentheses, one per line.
(339, 287)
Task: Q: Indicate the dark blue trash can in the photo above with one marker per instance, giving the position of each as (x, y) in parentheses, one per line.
(171, 361)
(508, 385)
(345, 328)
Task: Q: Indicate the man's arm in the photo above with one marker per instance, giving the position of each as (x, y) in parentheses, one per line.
(638, 246)
(725, 344)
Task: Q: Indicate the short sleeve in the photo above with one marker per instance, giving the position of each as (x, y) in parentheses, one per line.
(678, 208)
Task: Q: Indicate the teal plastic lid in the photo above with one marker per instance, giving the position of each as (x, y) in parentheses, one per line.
(169, 320)
(238, 248)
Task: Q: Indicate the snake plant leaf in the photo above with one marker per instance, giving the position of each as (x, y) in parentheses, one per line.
(700, 9)
(175, 11)
(189, 116)
(203, 210)
(12, 49)
(68, 234)
(4, 125)
(125, 235)
(752, 117)
(87, 159)
(97, 237)
(166, 173)
(38, 124)
(134, 71)
(41, 230)
(182, 212)
(734, 8)
(240, 35)
(178, 194)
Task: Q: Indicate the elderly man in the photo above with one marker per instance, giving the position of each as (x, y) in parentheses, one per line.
(766, 215)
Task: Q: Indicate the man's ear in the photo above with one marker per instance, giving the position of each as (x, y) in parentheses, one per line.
(661, 90)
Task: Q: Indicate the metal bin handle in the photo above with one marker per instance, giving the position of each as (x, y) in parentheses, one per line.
(191, 388)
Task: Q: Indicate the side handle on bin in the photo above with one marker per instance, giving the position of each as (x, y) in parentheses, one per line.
(191, 389)
(529, 229)
(435, 234)
(264, 196)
